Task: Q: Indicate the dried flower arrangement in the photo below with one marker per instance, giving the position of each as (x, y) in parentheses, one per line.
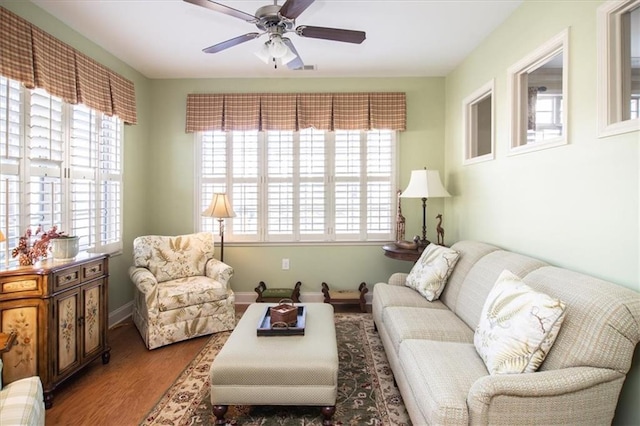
(30, 252)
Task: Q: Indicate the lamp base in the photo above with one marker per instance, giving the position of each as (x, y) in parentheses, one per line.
(421, 242)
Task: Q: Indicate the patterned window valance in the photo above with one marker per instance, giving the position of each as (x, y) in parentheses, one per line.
(37, 59)
(291, 111)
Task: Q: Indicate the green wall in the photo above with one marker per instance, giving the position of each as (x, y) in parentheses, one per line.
(171, 180)
(574, 206)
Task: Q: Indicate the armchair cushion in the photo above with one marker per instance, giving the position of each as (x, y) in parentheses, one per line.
(189, 291)
(169, 258)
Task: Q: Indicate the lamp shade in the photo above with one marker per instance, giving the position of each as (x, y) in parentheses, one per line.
(220, 207)
(425, 184)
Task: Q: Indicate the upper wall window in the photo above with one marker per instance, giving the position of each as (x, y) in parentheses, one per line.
(538, 92)
(618, 67)
(478, 125)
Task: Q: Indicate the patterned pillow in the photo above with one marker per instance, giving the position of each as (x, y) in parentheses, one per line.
(430, 273)
(518, 326)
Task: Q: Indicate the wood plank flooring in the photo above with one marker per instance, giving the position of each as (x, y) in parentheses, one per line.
(122, 392)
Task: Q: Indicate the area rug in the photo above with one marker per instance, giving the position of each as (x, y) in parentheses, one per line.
(366, 394)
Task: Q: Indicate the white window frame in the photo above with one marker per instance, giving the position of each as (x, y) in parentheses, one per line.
(106, 235)
(328, 180)
(610, 69)
(470, 123)
(516, 89)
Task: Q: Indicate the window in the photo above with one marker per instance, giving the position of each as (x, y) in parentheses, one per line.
(618, 67)
(538, 92)
(478, 125)
(60, 165)
(309, 185)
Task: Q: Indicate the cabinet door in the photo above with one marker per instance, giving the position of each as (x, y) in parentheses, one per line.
(93, 317)
(25, 318)
(67, 322)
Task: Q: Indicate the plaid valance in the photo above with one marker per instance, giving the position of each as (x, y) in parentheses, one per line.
(294, 111)
(37, 59)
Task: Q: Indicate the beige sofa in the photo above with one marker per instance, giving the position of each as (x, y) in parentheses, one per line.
(443, 380)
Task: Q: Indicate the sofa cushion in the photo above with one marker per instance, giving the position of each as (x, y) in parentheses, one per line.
(404, 323)
(440, 375)
(189, 291)
(518, 326)
(429, 275)
(385, 295)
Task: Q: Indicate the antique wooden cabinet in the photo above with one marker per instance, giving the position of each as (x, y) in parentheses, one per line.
(59, 312)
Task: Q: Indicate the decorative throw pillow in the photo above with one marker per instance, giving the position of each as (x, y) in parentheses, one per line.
(430, 273)
(517, 327)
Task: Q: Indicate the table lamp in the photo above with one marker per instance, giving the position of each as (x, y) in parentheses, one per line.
(424, 184)
(220, 208)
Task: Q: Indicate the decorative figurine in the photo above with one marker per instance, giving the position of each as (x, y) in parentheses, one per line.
(400, 221)
(440, 230)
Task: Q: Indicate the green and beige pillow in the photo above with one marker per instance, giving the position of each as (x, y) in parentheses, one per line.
(430, 273)
(517, 327)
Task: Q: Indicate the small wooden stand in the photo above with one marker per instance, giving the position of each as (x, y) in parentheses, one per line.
(346, 296)
(277, 294)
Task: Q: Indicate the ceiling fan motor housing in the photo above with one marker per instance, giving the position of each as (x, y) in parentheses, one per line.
(270, 20)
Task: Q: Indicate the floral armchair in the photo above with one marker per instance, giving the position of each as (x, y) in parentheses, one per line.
(181, 291)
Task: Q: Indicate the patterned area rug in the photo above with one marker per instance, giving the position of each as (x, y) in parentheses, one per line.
(366, 394)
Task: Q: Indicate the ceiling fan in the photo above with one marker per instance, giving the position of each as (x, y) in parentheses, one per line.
(275, 21)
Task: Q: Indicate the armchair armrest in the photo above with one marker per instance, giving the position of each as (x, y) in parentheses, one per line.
(576, 395)
(398, 278)
(219, 271)
(143, 279)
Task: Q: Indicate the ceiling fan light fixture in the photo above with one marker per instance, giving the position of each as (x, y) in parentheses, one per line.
(277, 48)
(290, 56)
(263, 54)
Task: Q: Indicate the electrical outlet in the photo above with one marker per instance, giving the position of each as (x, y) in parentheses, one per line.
(285, 264)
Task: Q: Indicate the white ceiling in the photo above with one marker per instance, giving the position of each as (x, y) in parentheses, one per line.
(165, 38)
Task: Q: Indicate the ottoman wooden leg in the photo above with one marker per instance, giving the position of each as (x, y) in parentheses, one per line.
(219, 411)
(327, 414)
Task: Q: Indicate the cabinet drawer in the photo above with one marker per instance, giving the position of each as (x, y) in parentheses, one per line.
(93, 270)
(66, 278)
(20, 285)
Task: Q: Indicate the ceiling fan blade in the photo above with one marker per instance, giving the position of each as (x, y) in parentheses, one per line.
(231, 42)
(335, 34)
(219, 7)
(297, 62)
(293, 8)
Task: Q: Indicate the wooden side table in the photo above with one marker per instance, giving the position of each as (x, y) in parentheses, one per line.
(394, 252)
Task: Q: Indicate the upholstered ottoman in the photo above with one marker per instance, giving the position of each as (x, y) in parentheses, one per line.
(278, 370)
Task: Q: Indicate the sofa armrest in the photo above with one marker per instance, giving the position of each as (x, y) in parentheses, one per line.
(398, 278)
(577, 395)
(219, 271)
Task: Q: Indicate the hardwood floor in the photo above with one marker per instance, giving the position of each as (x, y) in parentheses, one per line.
(122, 392)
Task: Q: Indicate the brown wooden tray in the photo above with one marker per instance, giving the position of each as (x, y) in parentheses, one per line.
(264, 325)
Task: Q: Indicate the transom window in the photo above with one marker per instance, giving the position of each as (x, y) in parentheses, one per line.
(60, 164)
(309, 185)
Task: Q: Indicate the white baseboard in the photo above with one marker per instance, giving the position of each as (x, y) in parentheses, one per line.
(120, 314)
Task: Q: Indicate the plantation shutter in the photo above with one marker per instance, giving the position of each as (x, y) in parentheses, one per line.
(44, 159)
(11, 110)
(245, 172)
(280, 184)
(312, 183)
